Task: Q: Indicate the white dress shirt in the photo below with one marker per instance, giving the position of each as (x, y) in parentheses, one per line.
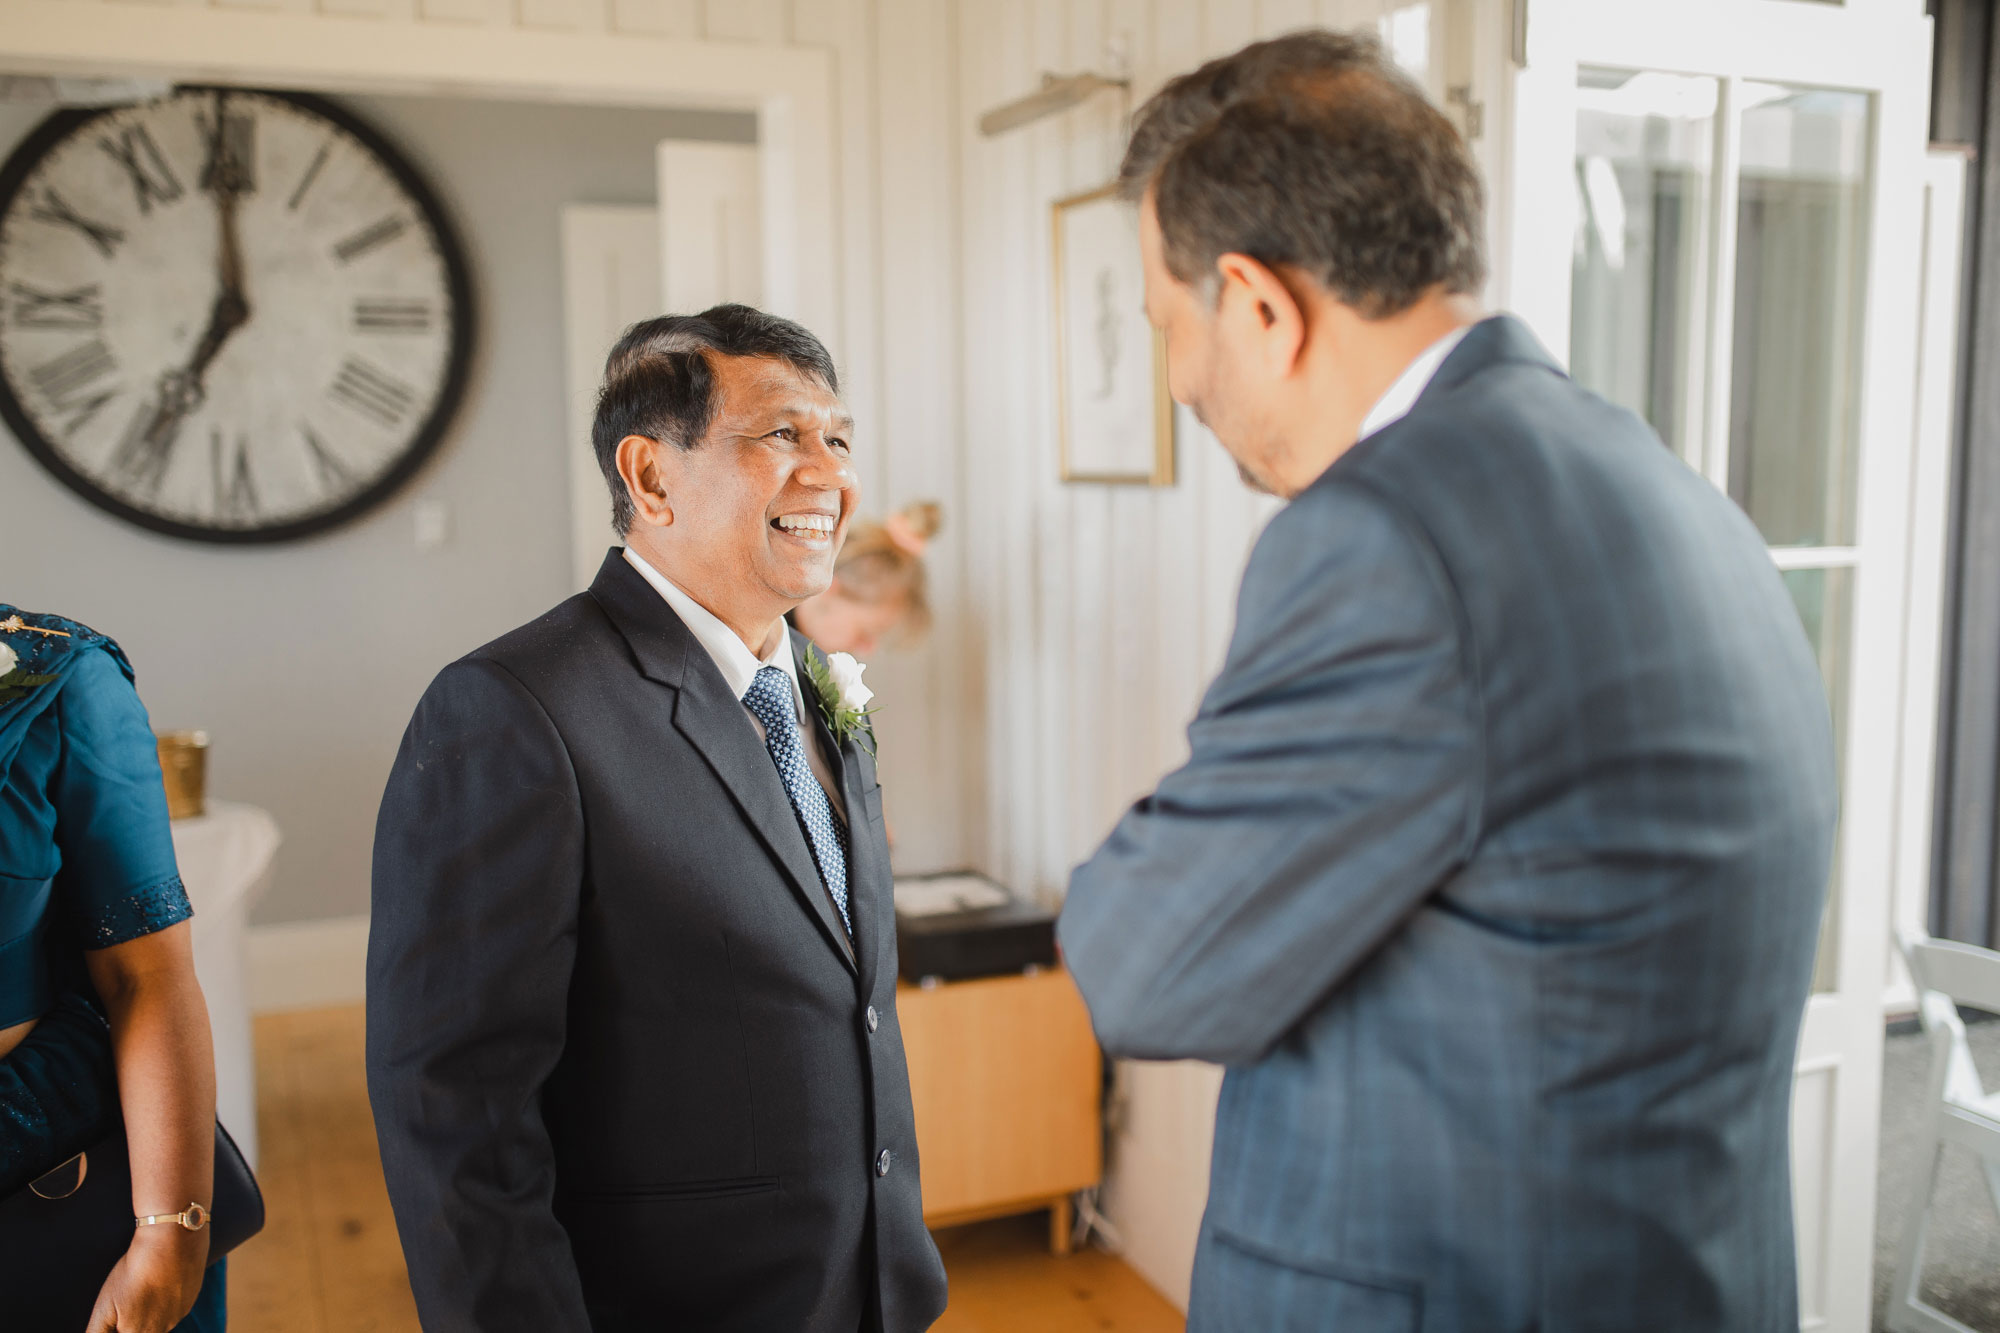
(1394, 405)
(739, 666)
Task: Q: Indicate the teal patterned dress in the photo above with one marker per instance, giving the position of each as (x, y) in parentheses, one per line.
(86, 862)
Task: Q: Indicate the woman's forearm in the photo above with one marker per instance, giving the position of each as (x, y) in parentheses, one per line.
(166, 1067)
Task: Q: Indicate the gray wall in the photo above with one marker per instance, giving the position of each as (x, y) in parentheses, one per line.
(303, 661)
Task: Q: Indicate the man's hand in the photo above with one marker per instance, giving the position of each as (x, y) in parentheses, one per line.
(155, 1285)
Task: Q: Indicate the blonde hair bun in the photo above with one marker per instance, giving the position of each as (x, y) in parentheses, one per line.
(913, 526)
(885, 559)
(925, 517)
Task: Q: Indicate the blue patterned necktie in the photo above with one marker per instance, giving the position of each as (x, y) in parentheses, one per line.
(770, 700)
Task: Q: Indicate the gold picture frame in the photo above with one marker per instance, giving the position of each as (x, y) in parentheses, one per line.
(1108, 443)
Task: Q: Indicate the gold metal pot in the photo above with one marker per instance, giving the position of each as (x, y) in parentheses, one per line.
(184, 765)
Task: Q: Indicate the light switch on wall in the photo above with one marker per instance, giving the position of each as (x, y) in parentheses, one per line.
(433, 524)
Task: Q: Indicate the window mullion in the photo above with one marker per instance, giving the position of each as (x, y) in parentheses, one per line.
(1717, 367)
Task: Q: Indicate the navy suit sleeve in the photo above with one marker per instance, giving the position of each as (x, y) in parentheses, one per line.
(1332, 783)
(478, 872)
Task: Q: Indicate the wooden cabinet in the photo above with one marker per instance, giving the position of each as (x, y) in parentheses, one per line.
(1006, 1078)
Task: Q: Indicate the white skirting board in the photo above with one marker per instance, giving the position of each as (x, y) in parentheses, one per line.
(308, 964)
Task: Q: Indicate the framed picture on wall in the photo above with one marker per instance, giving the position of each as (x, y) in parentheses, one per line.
(1115, 419)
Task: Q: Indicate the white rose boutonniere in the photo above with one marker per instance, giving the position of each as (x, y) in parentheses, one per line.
(842, 698)
(846, 674)
(9, 659)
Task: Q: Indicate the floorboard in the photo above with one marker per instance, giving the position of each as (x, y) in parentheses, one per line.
(328, 1260)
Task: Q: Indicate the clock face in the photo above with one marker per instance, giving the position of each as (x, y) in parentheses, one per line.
(226, 315)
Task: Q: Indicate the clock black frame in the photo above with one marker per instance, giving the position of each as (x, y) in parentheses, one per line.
(424, 444)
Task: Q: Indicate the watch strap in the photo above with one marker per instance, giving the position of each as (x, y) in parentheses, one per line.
(192, 1218)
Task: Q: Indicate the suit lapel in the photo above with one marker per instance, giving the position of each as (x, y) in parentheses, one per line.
(719, 728)
(836, 755)
(868, 895)
(715, 723)
(864, 870)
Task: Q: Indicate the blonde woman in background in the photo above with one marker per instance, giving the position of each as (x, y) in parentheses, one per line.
(878, 584)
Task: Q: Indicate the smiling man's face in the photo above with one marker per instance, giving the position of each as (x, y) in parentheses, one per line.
(761, 505)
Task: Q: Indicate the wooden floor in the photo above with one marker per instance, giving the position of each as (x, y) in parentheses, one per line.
(328, 1261)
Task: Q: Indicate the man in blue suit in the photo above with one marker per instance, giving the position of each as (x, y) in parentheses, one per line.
(1495, 869)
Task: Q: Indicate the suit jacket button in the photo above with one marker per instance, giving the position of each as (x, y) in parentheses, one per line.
(873, 1018)
(882, 1162)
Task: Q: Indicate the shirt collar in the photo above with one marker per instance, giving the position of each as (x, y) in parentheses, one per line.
(1394, 405)
(739, 666)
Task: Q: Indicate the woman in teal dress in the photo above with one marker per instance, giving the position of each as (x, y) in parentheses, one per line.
(100, 1014)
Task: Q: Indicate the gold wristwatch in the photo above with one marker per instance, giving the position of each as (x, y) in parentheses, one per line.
(193, 1218)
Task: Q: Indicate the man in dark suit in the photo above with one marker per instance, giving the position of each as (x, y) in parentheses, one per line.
(1495, 869)
(632, 1038)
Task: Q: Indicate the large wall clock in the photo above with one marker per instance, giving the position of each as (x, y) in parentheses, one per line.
(228, 315)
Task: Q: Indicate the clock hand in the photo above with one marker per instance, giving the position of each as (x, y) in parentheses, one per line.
(227, 178)
(224, 180)
(144, 453)
(181, 391)
(231, 310)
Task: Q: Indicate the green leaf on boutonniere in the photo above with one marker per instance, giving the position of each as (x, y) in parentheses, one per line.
(16, 684)
(844, 722)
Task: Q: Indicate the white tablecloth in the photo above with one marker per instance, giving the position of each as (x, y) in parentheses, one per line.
(225, 861)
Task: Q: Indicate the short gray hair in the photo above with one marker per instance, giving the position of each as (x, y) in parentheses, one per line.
(1312, 151)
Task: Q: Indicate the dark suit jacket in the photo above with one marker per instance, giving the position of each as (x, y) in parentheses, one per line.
(627, 1070)
(1494, 877)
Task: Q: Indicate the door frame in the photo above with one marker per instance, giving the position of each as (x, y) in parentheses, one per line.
(1881, 47)
(1946, 179)
(790, 88)
(626, 262)
(607, 250)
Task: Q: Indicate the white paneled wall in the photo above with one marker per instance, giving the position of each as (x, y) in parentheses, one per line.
(1102, 611)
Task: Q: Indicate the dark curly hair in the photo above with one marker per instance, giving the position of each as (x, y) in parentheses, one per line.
(1313, 151)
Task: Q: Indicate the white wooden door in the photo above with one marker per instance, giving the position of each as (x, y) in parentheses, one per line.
(711, 247)
(701, 246)
(611, 280)
(1717, 218)
(1924, 603)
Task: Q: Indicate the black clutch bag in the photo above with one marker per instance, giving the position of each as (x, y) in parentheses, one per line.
(61, 1236)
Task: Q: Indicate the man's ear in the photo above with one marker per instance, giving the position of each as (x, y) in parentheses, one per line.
(1265, 310)
(644, 467)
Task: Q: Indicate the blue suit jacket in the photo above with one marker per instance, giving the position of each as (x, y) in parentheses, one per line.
(1494, 877)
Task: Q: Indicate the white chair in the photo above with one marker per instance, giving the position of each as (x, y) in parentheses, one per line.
(1959, 1109)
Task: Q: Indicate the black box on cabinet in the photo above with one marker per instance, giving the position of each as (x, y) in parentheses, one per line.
(956, 926)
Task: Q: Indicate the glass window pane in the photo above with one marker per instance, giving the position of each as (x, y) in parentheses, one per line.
(1644, 169)
(1801, 253)
(1825, 598)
